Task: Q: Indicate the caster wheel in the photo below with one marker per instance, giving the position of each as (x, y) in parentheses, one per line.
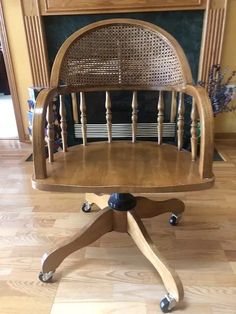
(167, 304)
(46, 277)
(86, 207)
(174, 220)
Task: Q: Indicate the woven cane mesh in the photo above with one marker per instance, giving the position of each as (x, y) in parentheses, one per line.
(121, 54)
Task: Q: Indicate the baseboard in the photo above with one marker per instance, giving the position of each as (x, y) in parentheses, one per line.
(225, 136)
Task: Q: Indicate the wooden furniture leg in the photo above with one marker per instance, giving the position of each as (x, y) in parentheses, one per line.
(101, 224)
(138, 233)
(123, 213)
(147, 208)
(100, 200)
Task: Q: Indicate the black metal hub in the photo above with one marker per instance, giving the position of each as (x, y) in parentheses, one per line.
(122, 201)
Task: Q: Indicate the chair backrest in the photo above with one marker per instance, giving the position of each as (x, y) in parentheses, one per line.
(121, 53)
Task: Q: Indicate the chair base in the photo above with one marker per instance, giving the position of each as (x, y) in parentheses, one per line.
(124, 219)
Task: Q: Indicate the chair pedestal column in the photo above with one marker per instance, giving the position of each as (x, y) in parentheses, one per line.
(122, 201)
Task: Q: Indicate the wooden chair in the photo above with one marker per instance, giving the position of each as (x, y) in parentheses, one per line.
(111, 55)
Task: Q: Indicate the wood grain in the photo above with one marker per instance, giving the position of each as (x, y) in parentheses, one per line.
(134, 116)
(62, 112)
(180, 121)
(160, 117)
(11, 76)
(138, 233)
(204, 109)
(45, 97)
(36, 44)
(173, 107)
(200, 95)
(108, 220)
(122, 166)
(108, 117)
(150, 168)
(213, 36)
(194, 138)
(75, 107)
(49, 7)
(50, 132)
(83, 118)
(111, 274)
(100, 225)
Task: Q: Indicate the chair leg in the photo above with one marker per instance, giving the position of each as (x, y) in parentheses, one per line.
(129, 221)
(101, 224)
(100, 200)
(138, 232)
(147, 208)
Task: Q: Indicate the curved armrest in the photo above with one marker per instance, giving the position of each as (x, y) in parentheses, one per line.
(207, 128)
(43, 100)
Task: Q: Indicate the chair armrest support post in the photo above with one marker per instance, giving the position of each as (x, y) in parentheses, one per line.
(42, 102)
(207, 128)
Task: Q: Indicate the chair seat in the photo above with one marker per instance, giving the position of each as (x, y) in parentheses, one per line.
(124, 167)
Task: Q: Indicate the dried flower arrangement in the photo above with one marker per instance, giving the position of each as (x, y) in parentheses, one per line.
(220, 92)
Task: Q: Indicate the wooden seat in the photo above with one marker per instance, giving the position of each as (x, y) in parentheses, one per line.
(114, 55)
(102, 168)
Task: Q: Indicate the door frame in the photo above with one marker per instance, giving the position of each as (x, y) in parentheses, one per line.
(11, 77)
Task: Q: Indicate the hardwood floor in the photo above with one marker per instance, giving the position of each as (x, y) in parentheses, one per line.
(111, 275)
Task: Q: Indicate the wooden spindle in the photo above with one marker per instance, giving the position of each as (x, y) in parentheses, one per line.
(160, 117)
(83, 118)
(108, 117)
(180, 123)
(194, 130)
(63, 123)
(134, 116)
(50, 132)
(173, 106)
(75, 107)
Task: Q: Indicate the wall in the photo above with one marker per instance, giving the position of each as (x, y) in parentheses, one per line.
(19, 52)
(226, 122)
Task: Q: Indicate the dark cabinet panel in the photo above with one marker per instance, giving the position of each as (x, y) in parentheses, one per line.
(4, 86)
